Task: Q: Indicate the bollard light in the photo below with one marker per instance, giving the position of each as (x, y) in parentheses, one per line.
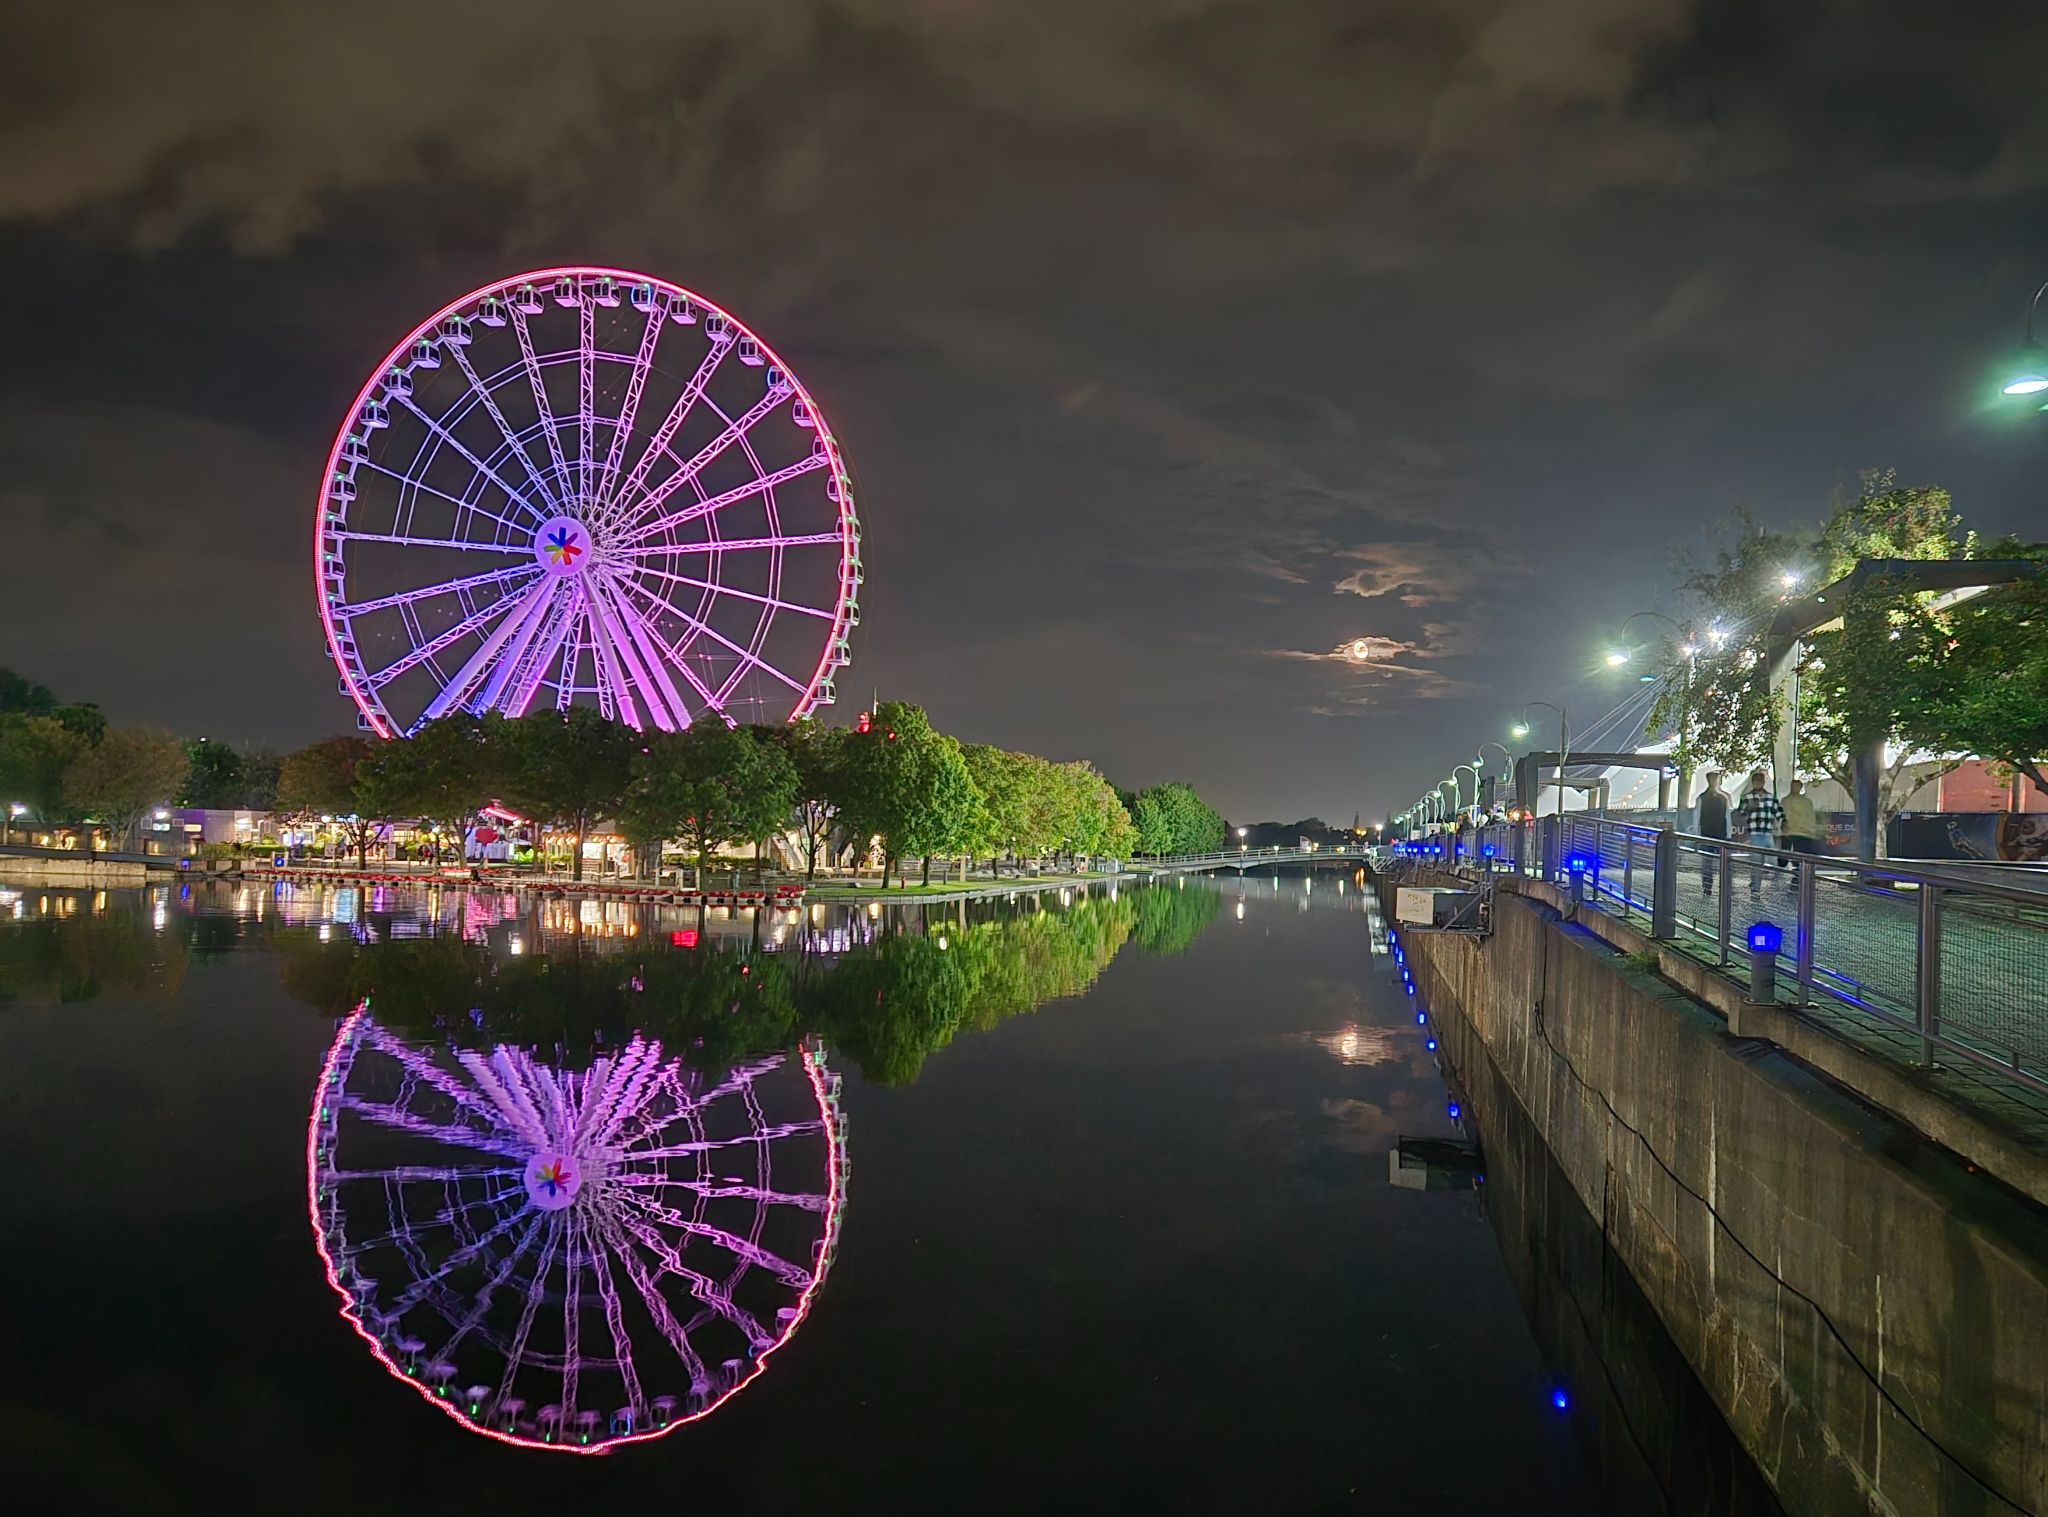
(1765, 939)
(1577, 865)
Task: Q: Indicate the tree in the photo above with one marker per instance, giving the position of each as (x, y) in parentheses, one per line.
(130, 772)
(1981, 672)
(214, 780)
(1858, 676)
(905, 783)
(323, 779)
(567, 769)
(709, 785)
(951, 820)
(1172, 818)
(20, 696)
(817, 755)
(36, 754)
(1717, 705)
(443, 776)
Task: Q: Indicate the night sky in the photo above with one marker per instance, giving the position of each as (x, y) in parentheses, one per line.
(1174, 343)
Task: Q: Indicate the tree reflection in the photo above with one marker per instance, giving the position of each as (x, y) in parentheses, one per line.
(63, 946)
(886, 1004)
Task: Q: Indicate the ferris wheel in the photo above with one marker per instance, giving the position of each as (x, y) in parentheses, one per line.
(571, 1259)
(586, 483)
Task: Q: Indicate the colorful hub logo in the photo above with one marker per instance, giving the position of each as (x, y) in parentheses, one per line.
(552, 1180)
(562, 545)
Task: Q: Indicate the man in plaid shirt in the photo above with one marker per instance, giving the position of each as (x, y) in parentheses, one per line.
(1761, 816)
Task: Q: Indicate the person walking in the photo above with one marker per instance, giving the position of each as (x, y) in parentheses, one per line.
(1713, 823)
(1800, 832)
(1760, 817)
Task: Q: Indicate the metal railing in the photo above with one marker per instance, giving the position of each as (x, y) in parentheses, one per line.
(1957, 958)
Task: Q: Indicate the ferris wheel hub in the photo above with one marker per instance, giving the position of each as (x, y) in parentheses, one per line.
(552, 1180)
(562, 546)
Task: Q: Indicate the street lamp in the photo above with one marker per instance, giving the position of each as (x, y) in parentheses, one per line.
(1475, 781)
(1240, 840)
(2030, 363)
(1616, 659)
(1564, 741)
(1688, 647)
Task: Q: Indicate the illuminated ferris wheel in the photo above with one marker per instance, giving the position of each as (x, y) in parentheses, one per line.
(571, 1258)
(586, 484)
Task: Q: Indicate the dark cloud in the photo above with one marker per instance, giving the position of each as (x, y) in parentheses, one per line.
(1162, 335)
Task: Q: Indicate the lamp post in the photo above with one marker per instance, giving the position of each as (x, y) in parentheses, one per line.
(1689, 650)
(2030, 364)
(1474, 772)
(1564, 742)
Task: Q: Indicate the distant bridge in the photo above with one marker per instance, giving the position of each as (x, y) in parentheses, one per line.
(1241, 859)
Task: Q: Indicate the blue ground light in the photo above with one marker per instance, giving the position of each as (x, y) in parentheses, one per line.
(1560, 1400)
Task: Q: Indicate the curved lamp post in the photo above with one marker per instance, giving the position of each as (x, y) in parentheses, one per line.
(1564, 742)
(2029, 374)
(1474, 772)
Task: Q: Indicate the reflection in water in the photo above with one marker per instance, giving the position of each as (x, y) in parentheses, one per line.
(62, 946)
(571, 1258)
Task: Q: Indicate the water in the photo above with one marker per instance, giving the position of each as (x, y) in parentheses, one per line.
(1117, 1231)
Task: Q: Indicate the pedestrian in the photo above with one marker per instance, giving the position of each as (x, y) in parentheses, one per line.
(1800, 831)
(1760, 817)
(1713, 823)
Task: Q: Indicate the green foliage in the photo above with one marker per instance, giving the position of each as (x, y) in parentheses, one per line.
(1172, 818)
(907, 784)
(213, 778)
(36, 755)
(709, 785)
(131, 771)
(817, 756)
(21, 696)
(566, 769)
(324, 779)
(1980, 672)
(447, 773)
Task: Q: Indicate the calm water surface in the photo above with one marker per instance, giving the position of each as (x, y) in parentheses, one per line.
(1102, 1183)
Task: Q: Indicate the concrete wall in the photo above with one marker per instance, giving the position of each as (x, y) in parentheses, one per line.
(25, 870)
(1869, 1315)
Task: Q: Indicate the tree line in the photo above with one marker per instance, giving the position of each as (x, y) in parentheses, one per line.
(1919, 670)
(916, 792)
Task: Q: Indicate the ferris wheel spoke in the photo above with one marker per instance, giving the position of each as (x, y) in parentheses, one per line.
(409, 1174)
(752, 659)
(654, 665)
(625, 1083)
(507, 1267)
(515, 1353)
(717, 589)
(507, 666)
(705, 456)
(771, 1133)
(454, 500)
(517, 497)
(540, 396)
(615, 1324)
(490, 405)
(440, 642)
(418, 1289)
(446, 587)
(760, 485)
(702, 1287)
(406, 540)
(693, 391)
(737, 544)
(714, 1190)
(560, 625)
(629, 407)
(586, 393)
(615, 682)
(460, 688)
(657, 1304)
(572, 1293)
(422, 1067)
(454, 1134)
(794, 1275)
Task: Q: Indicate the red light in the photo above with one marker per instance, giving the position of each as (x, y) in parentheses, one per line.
(865, 724)
(684, 937)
